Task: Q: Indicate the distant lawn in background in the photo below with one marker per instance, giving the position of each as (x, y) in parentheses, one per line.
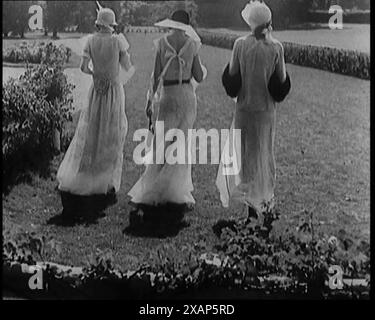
(352, 37)
(322, 155)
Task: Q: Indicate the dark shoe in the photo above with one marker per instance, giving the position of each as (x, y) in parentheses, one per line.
(111, 197)
(136, 218)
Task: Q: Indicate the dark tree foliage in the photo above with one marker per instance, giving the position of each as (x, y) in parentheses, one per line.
(147, 13)
(225, 13)
(59, 15)
(16, 17)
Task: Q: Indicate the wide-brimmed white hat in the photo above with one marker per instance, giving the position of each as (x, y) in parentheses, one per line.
(180, 20)
(256, 13)
(106, 17)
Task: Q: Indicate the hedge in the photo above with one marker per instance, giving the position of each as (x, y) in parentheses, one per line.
(346, 62)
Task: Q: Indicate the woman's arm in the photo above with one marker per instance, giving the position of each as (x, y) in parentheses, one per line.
(157, 72)
(280, 66)
(85, 65)
(125, 60)
(234, 65)
(197, 70)
(155, 84)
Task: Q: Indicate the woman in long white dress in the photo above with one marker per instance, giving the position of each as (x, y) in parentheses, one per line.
(256, 56)
(177, 65)
(93, 162)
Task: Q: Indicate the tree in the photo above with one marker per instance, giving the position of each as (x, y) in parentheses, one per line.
(8, 17)
(148, 12)
(84, 15)
(58, 15)
(16, 17)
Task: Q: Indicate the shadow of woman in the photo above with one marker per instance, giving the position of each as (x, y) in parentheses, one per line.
(161, 221)
(82, 209)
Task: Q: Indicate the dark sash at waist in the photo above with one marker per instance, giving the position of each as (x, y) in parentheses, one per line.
(167, 83)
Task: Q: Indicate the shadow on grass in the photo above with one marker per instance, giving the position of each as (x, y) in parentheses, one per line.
(161, 221)
(85, 210)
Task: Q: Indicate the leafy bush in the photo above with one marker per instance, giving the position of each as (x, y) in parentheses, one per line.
(34, 106)
(252, 258)
(350, 63)
(35, 52)
(301, 254)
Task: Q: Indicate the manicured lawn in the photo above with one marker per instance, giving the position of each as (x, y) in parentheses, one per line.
(352, 37)
(322, 154)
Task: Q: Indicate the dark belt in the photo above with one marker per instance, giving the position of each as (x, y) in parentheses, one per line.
(174, 82)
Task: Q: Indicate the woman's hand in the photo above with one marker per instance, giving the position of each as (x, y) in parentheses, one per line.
(197, 70)
(149, 108)
(85, 66)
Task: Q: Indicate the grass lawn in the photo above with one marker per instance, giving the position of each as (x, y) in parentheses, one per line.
(322, 154)
(352, 37)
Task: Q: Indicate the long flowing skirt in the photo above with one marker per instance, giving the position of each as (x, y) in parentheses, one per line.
(254, 181)
(93, 163)
(163, 182)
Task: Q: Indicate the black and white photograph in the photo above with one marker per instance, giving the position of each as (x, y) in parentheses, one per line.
(192, 150)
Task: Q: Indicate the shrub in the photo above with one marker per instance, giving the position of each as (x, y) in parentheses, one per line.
(34, 106)
(36, 53)
(300, 254)
(347, 62)
(251, 258)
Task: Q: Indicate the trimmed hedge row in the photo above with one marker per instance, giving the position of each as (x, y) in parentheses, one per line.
(346, 62)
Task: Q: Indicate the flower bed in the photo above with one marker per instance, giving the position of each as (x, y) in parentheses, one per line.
(250, 261)
(346, 62)
(35, 53)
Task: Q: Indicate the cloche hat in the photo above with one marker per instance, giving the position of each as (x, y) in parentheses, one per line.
(256, 13)
(105, 17)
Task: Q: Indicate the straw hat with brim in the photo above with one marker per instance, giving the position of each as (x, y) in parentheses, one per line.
(180, 20)
(106, 17)
(256, 14)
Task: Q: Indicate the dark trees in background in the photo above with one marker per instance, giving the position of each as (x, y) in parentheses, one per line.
(227, 13)
(58, 15)
(16, 17)
(163, 10)
(84, 15)
(345, 4)
(350, 4)
(147, 12)
(223, 13)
